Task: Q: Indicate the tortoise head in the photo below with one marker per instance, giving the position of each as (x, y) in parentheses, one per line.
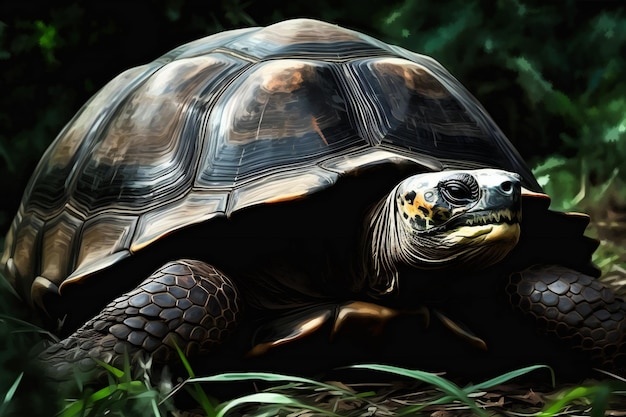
(447, 219)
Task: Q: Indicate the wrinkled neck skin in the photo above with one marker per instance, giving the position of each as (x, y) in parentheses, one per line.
(389, 245)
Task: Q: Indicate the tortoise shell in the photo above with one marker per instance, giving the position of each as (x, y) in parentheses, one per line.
(241, 118)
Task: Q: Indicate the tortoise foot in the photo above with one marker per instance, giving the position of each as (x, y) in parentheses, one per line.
(461, 331)
(186, 304)
(352, 318)
(577, 308)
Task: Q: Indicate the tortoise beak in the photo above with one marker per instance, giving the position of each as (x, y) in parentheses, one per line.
(500, 190)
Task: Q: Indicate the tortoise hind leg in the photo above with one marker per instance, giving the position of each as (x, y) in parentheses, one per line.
(576, 308)
(186, 303)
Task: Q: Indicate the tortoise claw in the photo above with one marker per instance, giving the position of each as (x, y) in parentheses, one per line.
(461, 331)
(375, 315)
(289, 328)
(298, 325)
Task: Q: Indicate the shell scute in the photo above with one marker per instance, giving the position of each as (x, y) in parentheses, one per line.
(26, 239)
(154, 134)
(49, 188)
(279, 114)
(58, 240)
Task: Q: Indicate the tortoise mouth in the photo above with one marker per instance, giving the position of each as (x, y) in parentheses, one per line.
(508, 216)
(483, 217)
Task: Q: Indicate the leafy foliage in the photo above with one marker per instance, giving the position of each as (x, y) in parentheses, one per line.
(551, 76)
(20, 375)
(289, 395)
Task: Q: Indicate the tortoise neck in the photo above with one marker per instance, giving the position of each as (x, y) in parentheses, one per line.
(379, 243)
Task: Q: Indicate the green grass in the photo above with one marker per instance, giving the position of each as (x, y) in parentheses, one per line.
(407, 392)
(292, 395)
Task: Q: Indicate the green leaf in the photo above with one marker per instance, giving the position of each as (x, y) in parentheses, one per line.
(549, 164)
(570, 396)
(73, 409)
(10, 393)
(106, 392)
(118, 373)
(263, 376)
(440, 383)
(507, 377)
(600, 401)
(196, 390)
(268, 398)
(184, 360)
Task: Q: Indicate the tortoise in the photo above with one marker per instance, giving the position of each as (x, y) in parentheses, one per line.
(289, 178)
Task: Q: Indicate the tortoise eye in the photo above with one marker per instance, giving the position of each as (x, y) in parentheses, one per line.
(458, 192)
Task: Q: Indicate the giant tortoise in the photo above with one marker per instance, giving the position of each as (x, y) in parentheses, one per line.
(297, 179)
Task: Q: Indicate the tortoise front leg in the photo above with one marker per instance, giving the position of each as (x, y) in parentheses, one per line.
(186, 303)
(574, 307)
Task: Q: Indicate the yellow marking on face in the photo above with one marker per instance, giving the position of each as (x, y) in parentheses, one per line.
(424, 209)
(419, 207)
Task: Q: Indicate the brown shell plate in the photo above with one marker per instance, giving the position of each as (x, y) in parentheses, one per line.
(236, 119)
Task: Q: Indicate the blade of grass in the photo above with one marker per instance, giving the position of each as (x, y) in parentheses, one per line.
(600, 401)
(73, 409)
(196, 390)
(449, 388)
(152, 395)
(598, 393)
(116, 372)
(130, 387)
(79, 407)
(265, 376)
(185, 361)
(507, 377)
(28, 327)
(269, 398)
(10, 393)
(470, 389)
(270, 377)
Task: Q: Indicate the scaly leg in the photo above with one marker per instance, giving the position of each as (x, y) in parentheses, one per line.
(574, 307)
(186, 303)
